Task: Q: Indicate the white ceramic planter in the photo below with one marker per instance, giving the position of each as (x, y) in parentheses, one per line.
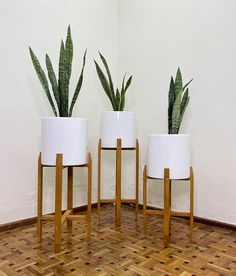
(67, 136)
(118, 124)
(168, 151)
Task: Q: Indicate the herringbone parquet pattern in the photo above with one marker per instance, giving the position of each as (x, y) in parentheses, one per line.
(125, 250)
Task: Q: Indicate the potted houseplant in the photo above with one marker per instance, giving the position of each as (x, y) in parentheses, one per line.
(62, 134)
(171, 150)
(117, 123)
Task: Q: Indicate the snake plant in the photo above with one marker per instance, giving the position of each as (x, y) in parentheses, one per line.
(60, 86)
(117, 98)
(178, 101)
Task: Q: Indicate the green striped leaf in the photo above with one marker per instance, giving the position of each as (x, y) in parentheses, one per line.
(123, 91)
(109, 76)
(53, 80)
(176, 115)
(78, 86)
(178, 83)
(184, 104)
(171, 103)
(104, 83)
(128, 83)
(117, 100)
(63, 82)
(69, 51)
(42, 78)
(185, 86)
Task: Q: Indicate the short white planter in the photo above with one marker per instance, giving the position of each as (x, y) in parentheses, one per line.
(168, 151)
(67, 136)
(118, 124)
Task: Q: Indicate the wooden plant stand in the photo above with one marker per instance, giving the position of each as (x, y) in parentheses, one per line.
(118, 200)
(68, 216)
(167, 203)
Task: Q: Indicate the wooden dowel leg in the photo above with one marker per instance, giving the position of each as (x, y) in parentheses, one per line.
(145, 194)
(99, 179)
(137, 177)
(89, 186)
(170, 208)
(40, 198)
(166, 207)
(58, 202)
(118, 182)
(191, 200)
(89, 196)
(70, 196)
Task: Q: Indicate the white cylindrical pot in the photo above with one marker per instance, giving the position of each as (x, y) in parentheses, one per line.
(118, 124)
(64, 135)
(168, 151)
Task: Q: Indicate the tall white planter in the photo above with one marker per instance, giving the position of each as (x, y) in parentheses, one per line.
(168, 151)
(118, 124)
(67, 136)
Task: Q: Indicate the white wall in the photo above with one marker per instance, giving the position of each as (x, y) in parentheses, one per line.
(41, 25)
(154, 38)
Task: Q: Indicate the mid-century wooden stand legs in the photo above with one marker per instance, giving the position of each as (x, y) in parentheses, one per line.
(118, 199)
(137, 178)
(99, 177)
(118, 182)
(68, 216)
(40, 198)
(89, 187)
(70, 196)
(167, 207)
(167, 203)
(58, 202)
(191, 199)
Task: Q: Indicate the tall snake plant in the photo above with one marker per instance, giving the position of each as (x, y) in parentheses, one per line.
(117, 98)
(60, 86)
(178, 101)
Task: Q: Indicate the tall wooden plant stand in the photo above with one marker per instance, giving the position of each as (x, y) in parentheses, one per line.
(167, 212)
(118, 200)
(68, 216)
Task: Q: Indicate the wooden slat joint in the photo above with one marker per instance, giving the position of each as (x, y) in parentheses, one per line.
(65, 215)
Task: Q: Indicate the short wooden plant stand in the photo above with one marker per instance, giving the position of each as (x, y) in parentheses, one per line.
(167, 202)
(59, 218)
(118, 200)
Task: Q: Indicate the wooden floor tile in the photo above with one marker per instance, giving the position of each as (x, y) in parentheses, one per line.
(126, 250)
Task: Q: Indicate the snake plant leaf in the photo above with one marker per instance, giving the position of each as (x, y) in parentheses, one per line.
(171, 103)
(42, 78)
(123, 86)
(78, 86)
(105, 84)
(123, 91)
(69, 51)
(184, 104)
(184, 100)
(128, 83)
(122, 95)
(63, 82)
(183, 110)
(117, 100)
(185, 86)
(176, 114)
(109, 76)
(178, 83)
(122, 103)
(53, 80)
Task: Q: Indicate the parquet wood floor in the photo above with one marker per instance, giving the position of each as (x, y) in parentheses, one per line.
(125, 250)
